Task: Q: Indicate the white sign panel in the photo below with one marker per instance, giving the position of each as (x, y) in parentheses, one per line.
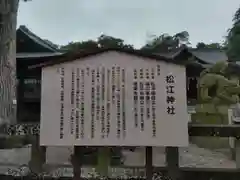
(114, 99)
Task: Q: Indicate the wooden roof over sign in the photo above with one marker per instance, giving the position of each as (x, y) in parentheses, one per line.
(68, 57)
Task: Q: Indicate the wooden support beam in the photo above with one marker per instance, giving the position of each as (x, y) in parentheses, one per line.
(237, 153)
(172, 158)
(104, 161)
(38, 156)
(76, 162)
(148, 163)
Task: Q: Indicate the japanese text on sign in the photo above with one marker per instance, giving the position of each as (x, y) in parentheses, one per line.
(111, 104)
(170, 99)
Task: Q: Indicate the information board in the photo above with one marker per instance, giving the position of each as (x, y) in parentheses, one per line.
(112, 103)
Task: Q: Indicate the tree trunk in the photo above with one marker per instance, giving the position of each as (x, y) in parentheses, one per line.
(8, 23)
(8, 79)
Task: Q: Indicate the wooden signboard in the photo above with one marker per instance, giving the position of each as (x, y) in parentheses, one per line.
(114, 99)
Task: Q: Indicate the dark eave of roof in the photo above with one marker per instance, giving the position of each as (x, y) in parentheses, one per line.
(36, 39)
(209, 56)
(37, 55)
(68, 57)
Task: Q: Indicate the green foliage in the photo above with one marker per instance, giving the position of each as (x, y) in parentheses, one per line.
(236, 18)
(156, 44)
(233, 38)
(202, 45)
(103, 41)
(84, 45)
(165, 42)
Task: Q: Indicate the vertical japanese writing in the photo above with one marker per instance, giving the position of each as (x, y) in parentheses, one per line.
(170, 99)
(123, 105)
(77, 103)
(88, 71)
(93, 104)
(62, 75)
(72, 102)
(98, 96)
(135, 97)
(147, 93)
(113, 85)
(118, 98)
(153, 102)
(103, 100)
(147, 97)
(141, 73)
(147, 74)
(82, 103)
(152, 73)
(108, 101)
(141, 87)
(158, 69)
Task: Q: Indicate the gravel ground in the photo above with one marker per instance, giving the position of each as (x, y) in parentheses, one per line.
(191, 156)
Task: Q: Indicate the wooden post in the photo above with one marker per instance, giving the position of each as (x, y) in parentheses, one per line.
(76, 158)
(237, 150)
(237, 155)
(172, 158)
(43, 151)
(148, 163)
(234, 143)
(104, 160)
(38, 155)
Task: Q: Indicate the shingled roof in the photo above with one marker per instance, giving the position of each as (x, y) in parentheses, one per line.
(205, 56)
(210, 56)
(74, 56)
(37, 39)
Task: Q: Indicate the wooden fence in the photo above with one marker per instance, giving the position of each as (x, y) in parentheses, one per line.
(173, 171)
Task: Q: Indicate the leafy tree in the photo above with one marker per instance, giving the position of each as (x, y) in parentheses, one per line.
(84, 45)
(233, 38)
(236, 17)
(165, 42)
(103, 41)
(202, 45)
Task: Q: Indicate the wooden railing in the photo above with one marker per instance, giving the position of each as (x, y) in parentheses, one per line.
(173, 170)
